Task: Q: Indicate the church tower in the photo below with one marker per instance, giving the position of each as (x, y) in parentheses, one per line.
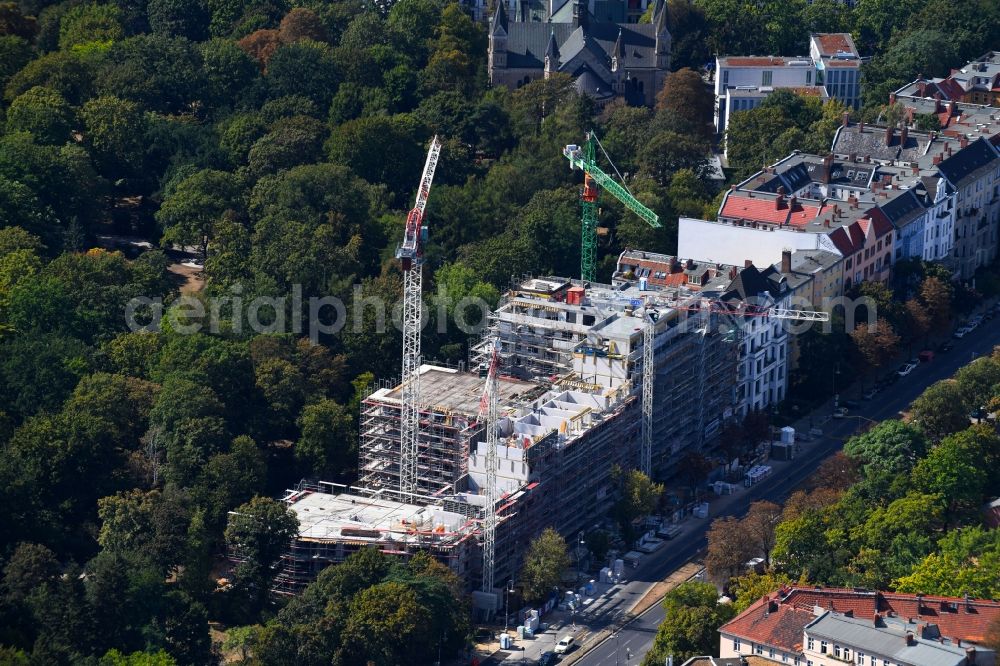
(498, 40)
(663, 40)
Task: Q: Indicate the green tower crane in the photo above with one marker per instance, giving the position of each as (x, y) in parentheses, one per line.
(594, 179)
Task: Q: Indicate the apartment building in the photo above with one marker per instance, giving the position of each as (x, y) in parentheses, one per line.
(977, 82)
(803, 626)
(831, 70)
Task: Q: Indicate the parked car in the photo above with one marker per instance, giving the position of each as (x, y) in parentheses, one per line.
(564, 645)
(906, 368)
(926, 356)
(945, 348)
(839, 412)
(962, 332)
(547, 659)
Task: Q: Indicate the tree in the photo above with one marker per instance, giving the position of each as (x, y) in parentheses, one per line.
(386, 625)
(978, 381)
(936, 295)
(751, 586)
(876, 344)
(229, 72)
(685, 95)
(44, 113)
(940, 410)
(838, 473)
(954, 470)
(88, 23)
(668, 152)
(192, 209)
(305, 68)
(759, 524)
(290, 142)
(114, 130)
(160, 73)
(640, 496)
(726, 556)
(544, 564)
(891, 447)
(327, 441)
(261, 45)
(178, 18)
(965, 562)
(258, 533)
(690, 627)
(116, 658)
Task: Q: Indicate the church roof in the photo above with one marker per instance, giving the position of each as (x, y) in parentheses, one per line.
(528, 42)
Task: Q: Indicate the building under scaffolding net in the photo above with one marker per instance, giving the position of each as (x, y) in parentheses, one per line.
(570, 389)
(336, 521)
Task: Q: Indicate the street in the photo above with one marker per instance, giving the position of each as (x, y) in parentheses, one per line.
(637, 636)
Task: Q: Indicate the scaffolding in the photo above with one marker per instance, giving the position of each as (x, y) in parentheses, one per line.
(336, 521)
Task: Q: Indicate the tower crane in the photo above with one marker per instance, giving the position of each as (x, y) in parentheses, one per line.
(489, 409)
(584, 158)
(411, 258)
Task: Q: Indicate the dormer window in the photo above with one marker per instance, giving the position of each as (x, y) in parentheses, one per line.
(614, 64)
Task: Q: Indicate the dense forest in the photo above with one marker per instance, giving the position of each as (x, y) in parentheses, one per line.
(280, 143)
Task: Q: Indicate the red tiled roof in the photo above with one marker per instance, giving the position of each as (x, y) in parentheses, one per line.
(815, 91)
(831, 43)
(781, 627)
(952, 89)
(842, 63)
(966, 622)
(763, 209)
(755, 61)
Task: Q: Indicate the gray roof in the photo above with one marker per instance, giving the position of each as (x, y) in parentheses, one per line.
(888, 641)
(904, 208)
(527, 42)
(967, 161)
(870, 141)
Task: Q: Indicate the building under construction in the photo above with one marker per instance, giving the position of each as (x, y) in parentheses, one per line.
(569, 415)
(336, 521)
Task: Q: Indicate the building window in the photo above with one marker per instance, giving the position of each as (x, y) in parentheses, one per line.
(759, 649)
(736, 645)
(765, 78)
(822, 647)
(861, 659)
(770, 653)
(836, 651)
(810, 644)
(725, 77)
(847, 654)
(809, 77)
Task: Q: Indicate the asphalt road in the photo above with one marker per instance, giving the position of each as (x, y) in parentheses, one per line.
(637, 637)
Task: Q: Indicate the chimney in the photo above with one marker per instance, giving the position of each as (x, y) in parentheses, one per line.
(892, 98)
(689, 264)
(952, 107)
(824, 175)
(963, 142)
(903, 136)
(889, 131)
(909, 638)
(853, 157)
(922, 88)
(968, 603)
(786, 261)
(793, 201)
(920, 603)
(909, 115)
(853, 201)
(937, 159)
(877, 620)
(916, 169)
(970, 656)
(845, 119)
(747, 263)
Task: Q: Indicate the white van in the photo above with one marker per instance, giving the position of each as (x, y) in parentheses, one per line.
(564, 645)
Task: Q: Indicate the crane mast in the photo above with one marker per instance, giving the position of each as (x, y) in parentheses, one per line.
(489, 409)
(411, 259)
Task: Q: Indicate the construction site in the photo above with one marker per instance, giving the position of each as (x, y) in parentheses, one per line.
(571, 381)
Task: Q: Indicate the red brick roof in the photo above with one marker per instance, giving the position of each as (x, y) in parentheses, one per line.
(764, 209)
(842, 63)
(791, 610)
(831, 43)
(952, 89)
(755, 61)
